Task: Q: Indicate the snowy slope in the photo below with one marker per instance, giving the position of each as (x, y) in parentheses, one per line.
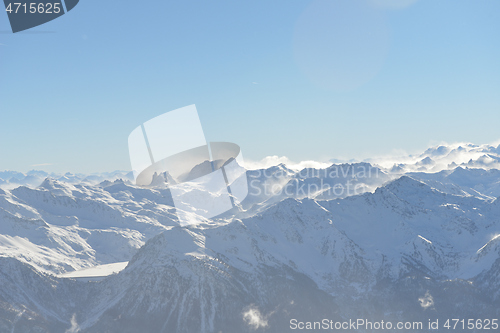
(60, 227)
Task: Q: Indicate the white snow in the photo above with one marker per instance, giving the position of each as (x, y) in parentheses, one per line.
(96, 271)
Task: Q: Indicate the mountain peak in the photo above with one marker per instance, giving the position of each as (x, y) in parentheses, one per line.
(405, 182)
(48, 183)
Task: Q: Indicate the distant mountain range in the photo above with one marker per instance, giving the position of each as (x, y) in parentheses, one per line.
(435, 159)
(33, 178)
(444, 157)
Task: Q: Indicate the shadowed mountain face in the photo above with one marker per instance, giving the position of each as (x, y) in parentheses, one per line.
(415, 248)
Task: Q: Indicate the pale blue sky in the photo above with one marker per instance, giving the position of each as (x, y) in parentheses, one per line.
(304, 79)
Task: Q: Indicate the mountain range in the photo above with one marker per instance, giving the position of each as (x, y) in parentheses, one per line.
(351, 241)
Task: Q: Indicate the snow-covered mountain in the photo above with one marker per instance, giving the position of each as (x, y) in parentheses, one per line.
(345, 242)
(60, 227)
(33, 178)
(444, 157)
